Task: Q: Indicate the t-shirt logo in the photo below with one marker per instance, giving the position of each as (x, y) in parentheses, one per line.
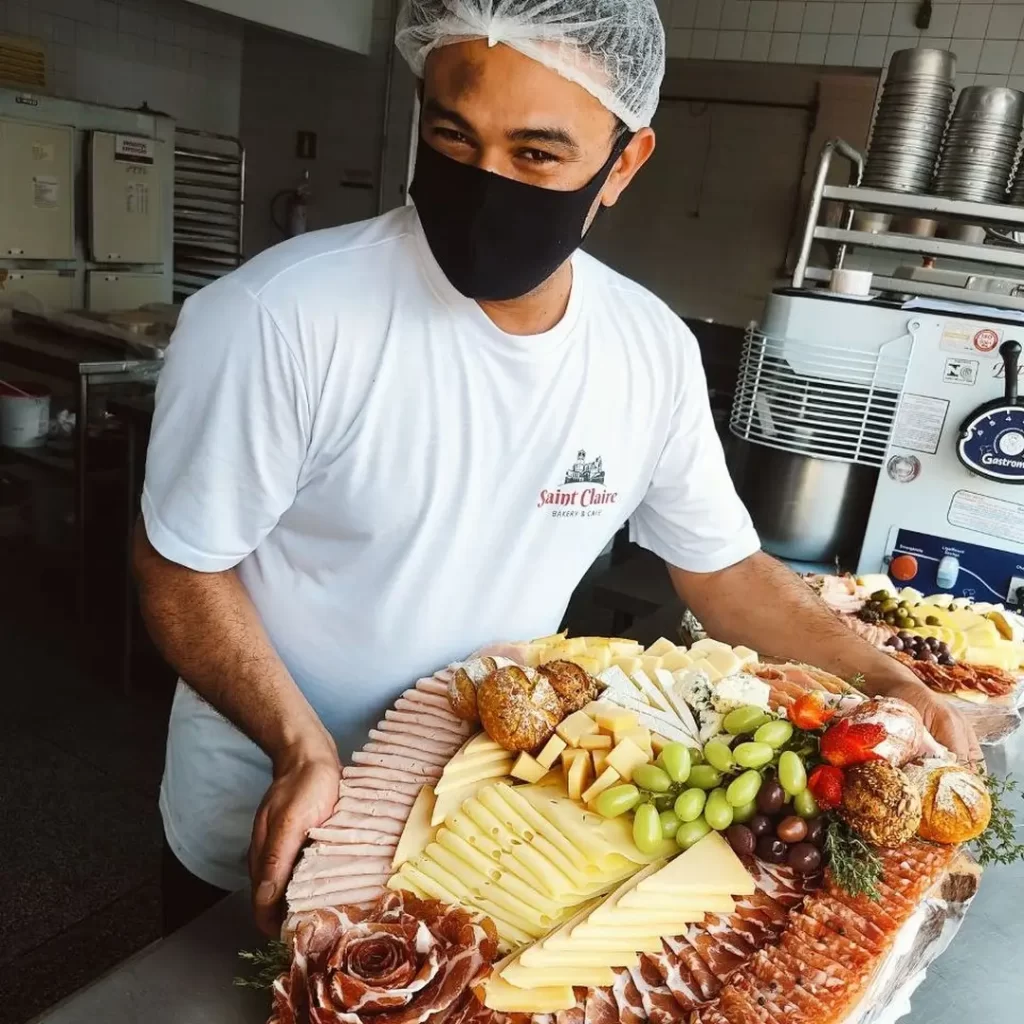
(572, 501)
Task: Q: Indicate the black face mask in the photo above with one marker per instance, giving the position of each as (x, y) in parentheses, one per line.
(493, 237)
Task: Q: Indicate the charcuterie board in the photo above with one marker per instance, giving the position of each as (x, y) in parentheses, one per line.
(580, 831)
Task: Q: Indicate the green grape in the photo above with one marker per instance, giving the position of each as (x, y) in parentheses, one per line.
(753, 755)
(665, 801)
(741, 815)
(696, 755)
(743, 789)
(669, 824)
(718, 755)
(741, 721)
(617, 800)
(775, 734)
(651, 778)
(805, 805)
(646, 828)
(690, 804)
(718, 811)
(675, 759)
(792, 773)
(691, 832)
(704, 776)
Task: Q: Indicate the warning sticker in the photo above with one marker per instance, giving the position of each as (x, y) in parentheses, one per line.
(960, 371)
(992, 516)
(965, 336)
(45, 192)
(919, 423)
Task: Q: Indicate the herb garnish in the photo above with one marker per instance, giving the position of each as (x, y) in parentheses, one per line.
(998, 843)
(270, 962)
(856, 868)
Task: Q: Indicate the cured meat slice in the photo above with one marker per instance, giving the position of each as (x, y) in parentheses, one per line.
(721, 953)
(600, 1007)
(779, 982)
(829, 941)
(348, 805)
(393, 796)
(870, 910)
(324, 866)
(627, 998)
(330, 899)
(384, 846)
(750, 995)
(394, 748)
(433, 685)
(415, 770)
(361, 830)
(299, 889)
(372, 781)
(845, 922)
(708, 985)
(406, 713)
(677, 979)
(435, 700)
(364, 771)
(659, 1004)
(433, 742)
(738, 1008)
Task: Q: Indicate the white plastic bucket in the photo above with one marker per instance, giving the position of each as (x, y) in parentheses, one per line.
(24, 415)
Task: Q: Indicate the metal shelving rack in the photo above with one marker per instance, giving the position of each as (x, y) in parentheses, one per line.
(855, 199)
(209, 208)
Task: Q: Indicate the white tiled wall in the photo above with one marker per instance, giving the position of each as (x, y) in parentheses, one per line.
(985, 36)
(173, 55)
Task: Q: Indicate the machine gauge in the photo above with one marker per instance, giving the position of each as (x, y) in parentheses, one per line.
(1010, 442)
(991, 441)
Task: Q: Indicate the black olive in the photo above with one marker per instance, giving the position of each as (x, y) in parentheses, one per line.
(742, 840)
(816, 832)
(760, 825)
(772, 849)
(770, 797)
(803, 858)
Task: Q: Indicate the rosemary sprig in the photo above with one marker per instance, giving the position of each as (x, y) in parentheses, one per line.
(998, 843)
(854, 865)
(857, 681)
(268, 963)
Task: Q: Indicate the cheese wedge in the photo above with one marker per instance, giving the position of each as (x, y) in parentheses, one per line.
(503, 997)
(660, 646)
(479, 742)
(627, 664)
(418, 832)
(709, 866)
(703, 647)
(710, 903)
(625, 757)
(575, 726)
(450, 801)
(460, 779)
(541, 977)
(528, 769)
(624, 648)
(648, 664)
(645, 685)
(604, 781)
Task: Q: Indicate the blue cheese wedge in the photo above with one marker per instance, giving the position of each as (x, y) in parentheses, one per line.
(695, 687)
(738, 691)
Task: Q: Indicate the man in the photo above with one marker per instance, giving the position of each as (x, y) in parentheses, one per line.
(381, 446)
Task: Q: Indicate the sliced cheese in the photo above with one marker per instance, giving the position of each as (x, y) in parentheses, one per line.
(710, 903)
(465, 828)
(528, 769)
(418, 832)
(550, 641)
(668, 724)
(590, 664)
(604, 781)
(647, 921)
(575, 726)
(666, 682)
(625, 757)
(649, 663)
(541, 977)
(449, 802)
(709, 866)
(568, 648)
(628, 934)
(461, 778)
(480, 742)
(503, 997)
(644, 684)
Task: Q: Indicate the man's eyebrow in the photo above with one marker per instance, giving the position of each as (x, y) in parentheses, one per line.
(554, 136)
(434, 109)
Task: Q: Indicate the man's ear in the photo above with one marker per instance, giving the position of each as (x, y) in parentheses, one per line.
(633, 157)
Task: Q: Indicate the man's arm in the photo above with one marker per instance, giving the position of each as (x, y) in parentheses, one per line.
(205, 625)
(759, 602)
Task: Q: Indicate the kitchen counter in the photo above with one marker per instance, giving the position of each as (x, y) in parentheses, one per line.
(186, 979)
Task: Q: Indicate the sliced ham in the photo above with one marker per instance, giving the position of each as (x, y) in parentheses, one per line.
(393, 796)
(428, 726)
(324, 866)
(348, 806)
(434, 700)
(367, 771)
(359, 829)
(403, 736)
(306, 888)
(346, 897)
(380, 846)
(386, 786)
(433, 685)
(415, 770)
(433, 711)
(396, 749)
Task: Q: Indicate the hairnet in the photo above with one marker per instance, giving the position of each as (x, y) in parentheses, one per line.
(615, 49)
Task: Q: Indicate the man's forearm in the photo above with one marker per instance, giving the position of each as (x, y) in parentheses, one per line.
(761, 603)
(206, 627)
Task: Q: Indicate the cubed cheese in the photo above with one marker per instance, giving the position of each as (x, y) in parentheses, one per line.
(641, 736)
(581, 775)
(602, 655)
(725, 661)
(550, 751)
(528, 768)
(599, 741)
(591, 665)
(745, 654)
(658, 743)
(649, 662)
(600, 759)
(624, 648)
(570, 756)
(702, 647)
(595, 707)
(702, 664)
(629, 663)
(549, 641)
(611, 718)
(660, 646)
(738, 691)
(569, 648)
(625, 757)
(578, 724)
(676, 659)
(605, 780)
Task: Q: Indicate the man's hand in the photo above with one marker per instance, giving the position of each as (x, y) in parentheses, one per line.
(302, 796)
(945, 723)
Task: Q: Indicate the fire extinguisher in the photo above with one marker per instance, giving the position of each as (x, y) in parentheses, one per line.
(296, 220)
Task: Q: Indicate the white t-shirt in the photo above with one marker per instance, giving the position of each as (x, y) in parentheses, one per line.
(399, 482)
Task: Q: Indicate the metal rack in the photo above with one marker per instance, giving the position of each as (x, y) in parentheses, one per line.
(857, 199)
(209, 208)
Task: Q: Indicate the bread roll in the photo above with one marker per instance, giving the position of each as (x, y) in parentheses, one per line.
(518, 707)
(575, 686)
(466, 678)
(880, 803)
(955, 804)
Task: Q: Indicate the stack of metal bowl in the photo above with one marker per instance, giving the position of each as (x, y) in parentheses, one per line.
(910, 119)
(981, 143)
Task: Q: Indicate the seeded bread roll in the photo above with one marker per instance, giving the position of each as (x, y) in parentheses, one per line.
(880, 803)
(575, 687)
(465, 680)
(518, 707)
(955, 804)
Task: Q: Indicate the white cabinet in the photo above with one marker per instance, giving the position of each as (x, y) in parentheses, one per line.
(54, 290)
(113, 290)
(36, 191)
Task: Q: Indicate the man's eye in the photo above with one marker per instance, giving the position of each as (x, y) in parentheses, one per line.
(538, 156)
(451, 135)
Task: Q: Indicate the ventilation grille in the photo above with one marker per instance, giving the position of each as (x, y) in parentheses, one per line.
(22, 63)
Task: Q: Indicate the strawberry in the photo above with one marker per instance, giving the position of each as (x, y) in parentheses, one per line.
(845, 743)
(826, 785)
(811, 711)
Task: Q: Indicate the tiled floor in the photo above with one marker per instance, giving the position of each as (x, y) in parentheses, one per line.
(79, 829)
